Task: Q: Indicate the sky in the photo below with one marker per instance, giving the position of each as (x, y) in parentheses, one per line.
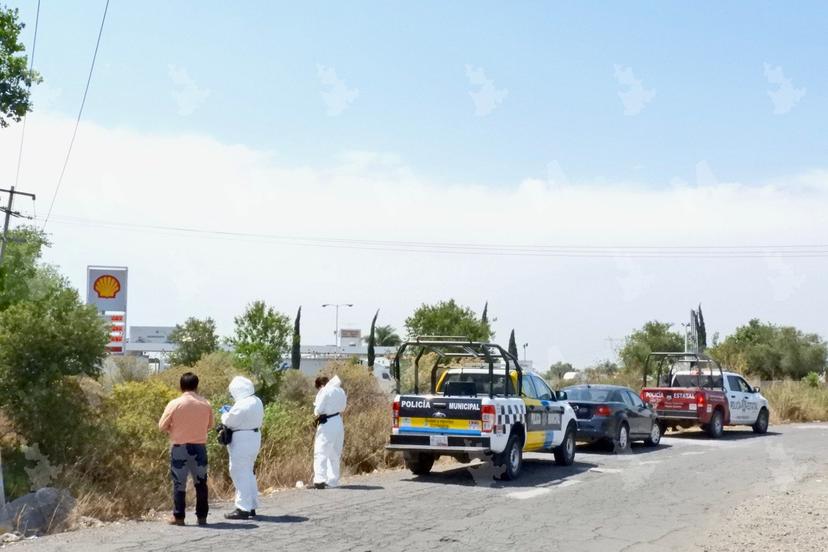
(306, 130)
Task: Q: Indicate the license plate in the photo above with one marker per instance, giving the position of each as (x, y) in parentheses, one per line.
(692, 406)
(554, 419)
(438, 440)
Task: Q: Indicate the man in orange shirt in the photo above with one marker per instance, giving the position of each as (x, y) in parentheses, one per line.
(187, 420)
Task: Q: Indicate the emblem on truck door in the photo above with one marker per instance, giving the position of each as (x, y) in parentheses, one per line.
(439, 415)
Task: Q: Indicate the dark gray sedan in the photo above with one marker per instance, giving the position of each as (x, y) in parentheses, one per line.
(614, 415)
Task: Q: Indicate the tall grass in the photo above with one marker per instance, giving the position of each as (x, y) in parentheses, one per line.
(796, 401)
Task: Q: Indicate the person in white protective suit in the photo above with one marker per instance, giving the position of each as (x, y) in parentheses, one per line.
(330, 432)
(245, 419)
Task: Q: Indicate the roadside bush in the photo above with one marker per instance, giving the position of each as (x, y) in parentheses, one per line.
(812, 380)
(795, 401)
(296, 387)
(214, 372)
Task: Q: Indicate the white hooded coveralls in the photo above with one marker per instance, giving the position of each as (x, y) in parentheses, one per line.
(330, 436)
(246, 414)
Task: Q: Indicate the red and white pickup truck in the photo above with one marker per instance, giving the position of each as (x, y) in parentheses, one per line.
(693, 390)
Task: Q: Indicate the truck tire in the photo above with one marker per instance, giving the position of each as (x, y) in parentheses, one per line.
(512, 458)
(621, 443)
(565, 452)
(655, 435)
(761, 424)
(716, 426)
(420, 463)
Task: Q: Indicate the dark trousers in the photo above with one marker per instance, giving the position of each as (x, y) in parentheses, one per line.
(189, 461)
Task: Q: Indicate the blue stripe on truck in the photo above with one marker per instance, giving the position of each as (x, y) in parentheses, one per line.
(438, 430)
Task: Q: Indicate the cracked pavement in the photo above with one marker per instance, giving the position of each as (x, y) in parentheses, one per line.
(690, 493)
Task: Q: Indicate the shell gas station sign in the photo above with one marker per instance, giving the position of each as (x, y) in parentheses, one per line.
(106, 288)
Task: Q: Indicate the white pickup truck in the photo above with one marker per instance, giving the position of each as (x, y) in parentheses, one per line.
(480, 404)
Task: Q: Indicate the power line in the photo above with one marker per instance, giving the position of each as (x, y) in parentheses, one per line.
(77, 121)
(25, 117)
(575, 251)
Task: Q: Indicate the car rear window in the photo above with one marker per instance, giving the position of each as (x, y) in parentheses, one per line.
(593, 394)
(481, 382)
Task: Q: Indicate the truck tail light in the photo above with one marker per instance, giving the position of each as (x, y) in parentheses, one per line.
(602, 410)
(699, 400)
(395, 416)
(488, 417)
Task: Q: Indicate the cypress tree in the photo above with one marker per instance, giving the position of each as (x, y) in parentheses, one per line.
(296, 351)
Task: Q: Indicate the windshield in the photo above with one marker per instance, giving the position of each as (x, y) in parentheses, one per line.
(481, 382)
(593, 394)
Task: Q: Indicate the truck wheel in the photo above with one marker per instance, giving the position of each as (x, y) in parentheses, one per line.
(420, 463)
(621, 444)
(715, 428)
(512, 458)
(761, 425)
(565, 452)
(655, 435)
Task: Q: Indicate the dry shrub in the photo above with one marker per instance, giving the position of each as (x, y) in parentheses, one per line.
(795, 401)
(214, 373)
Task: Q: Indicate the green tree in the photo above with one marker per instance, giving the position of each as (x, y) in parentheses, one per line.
(262, 339)
(654, 336)
(606, 368)
(372, 340)
(557, 370)
(513, 344)
(772, 352)
(485, 317)
(195, 338)
(15, 77)
(20, 273)
(385, 336)
(45, 346)
(296, 346)
(447, 318)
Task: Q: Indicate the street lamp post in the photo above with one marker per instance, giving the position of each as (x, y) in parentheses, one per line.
(336, 328)
(524, 351)
(686, 330)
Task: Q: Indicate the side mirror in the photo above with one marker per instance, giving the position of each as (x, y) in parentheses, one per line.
(561, 395)
(756, 389)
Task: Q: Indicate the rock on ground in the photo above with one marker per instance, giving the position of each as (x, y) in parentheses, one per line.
(44, 511)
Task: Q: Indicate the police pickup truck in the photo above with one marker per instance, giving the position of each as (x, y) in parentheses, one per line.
(693, 390)
(480, 404)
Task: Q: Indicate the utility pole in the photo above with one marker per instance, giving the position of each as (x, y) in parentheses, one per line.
(9, 215)
(686, 329)
(336, 329)
(524, 351)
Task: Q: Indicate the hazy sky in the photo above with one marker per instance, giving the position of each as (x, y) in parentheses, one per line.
(318, 127)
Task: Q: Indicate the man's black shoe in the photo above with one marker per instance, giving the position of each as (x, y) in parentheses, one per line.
(319, 486)
(252, 513)
(237, 514)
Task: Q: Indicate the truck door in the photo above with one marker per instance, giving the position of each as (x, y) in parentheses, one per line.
(543, 417)
(751, 404)
(737, 400)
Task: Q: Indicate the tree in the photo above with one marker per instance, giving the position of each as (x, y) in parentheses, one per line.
(385, 336)
(20, 272)
(772, 352)
(557, 370)
(296, 348)
(447, 318)
(485, 317)
(606, 368)
(372, 340)
(701, 332)
(262, 339)
(195, 338)
(15, 77)
(46, 345)
(654, 336)
(513, 345)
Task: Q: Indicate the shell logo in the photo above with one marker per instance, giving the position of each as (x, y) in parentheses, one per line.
(107, 286)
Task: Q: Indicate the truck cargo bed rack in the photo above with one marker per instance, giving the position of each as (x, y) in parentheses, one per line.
(456, 347)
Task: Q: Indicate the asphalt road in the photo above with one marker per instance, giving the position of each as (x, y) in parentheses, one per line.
(691, 493)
